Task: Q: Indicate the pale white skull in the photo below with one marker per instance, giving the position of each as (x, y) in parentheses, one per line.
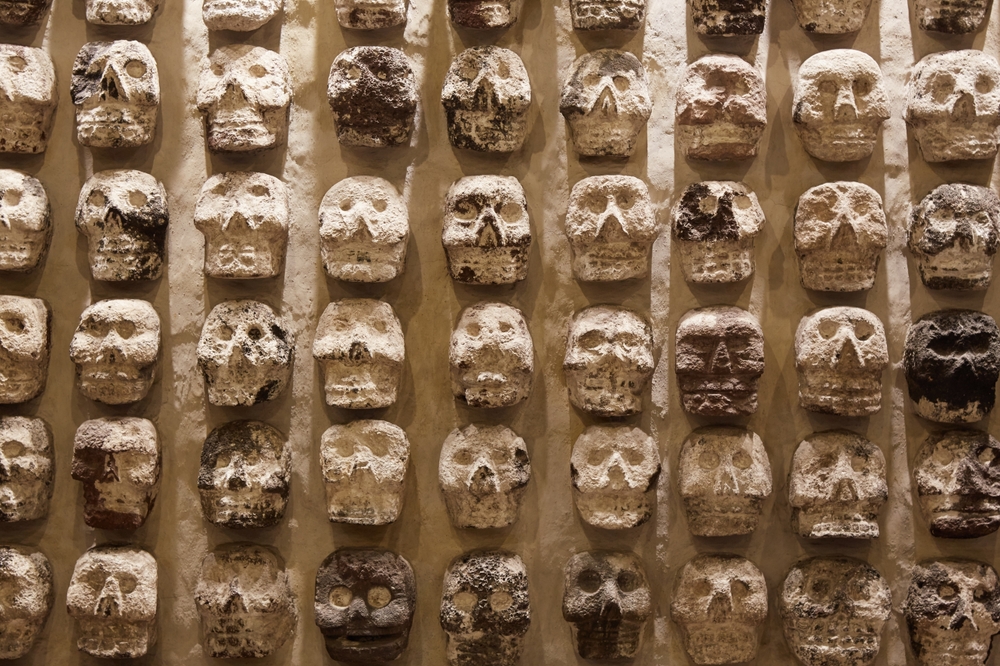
(244, 216)
(25, 325)
(121, 12)
(239, 15)
(28, 99)
(614, 470)
(491, 356)
(27, 470)
(360, 348)
(364, 471)
(484, 14)
(725, 476)
(26, 599)
(955, 17)
(483, 472)
(370, 14)
(831, 17)
(364, 228)
(25, 221)
(607, 14)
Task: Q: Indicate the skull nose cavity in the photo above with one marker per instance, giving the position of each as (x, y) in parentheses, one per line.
(237, 220)
(111, 86)
(606, 102)
(359, 351)
(110, 474)
(848, 356)
(611, 608)
(611, 228)
(962, 615)
(847, 491)
(720, 358)
(237, 479)
(845, 109)
(845, 236)
(964, 109)
(109, 602)
(489, 236)
(357, 609)
(234, 602)
(720, 608)
(483, 481)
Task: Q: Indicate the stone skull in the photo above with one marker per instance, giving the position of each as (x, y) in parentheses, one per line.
(607, 14)
(484, 14)
(27, 470)
(373, 95)
(26, 599)
(728, 18)
(239, 15)
(20, 13)
(370, 14)
(491, 356)
(25, 341)
(121, 12)
(836, 17)
(25, 222)
(28, 95)
(956, 17)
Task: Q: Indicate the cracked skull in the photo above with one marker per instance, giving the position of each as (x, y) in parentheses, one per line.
(25, 222)
(239, 15)
(27, 470)
(26, 599)
(373, 95)
(25, 341)
(956, 17)
(728, 18)
(491, 356)
(28, 96)
(121, 12)
(484, 14)
(836, 17)
(607, 14)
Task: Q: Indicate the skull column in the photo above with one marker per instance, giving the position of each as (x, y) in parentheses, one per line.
(373, 95)
(27, 468)
(25, 325)
(28, 595)
(28, 96)
(25, 222)
(491, 356)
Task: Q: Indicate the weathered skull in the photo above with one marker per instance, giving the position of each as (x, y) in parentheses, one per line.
(607, 600)
(607, 14)
(28, 95)
(840, 232)
(952, 362)
(953, 105)
(952, 610)
(116, 92)
(956, 17)
(614, 471)
(484, 14)
(239, 15)
(483, 472)
(120, 12)
(491, 356)
(608, 361)
(826, 17)
(720, 603)
(245, 601)
(244, 475)
(606, 103)
(957, 473)
(715, 224)
(364, 471)
(611, 227)
(364, 228)
(954, 233)
(485, 610)
(487, 232)
(373, 94)
(360, 348)
(833, 610)
(19, 13)
(244, 216)
(123, 213)
(25, 222)
(837, 486)
(118, 461)
(25, 341)
(26, 599)
(486, 96)
(719, 361)
(721, 109)
(370, 14)
(364, 604)
(245, 353)
(112, 597)
(728, 18)
(725, 476)
(27, 471)
(840, 354)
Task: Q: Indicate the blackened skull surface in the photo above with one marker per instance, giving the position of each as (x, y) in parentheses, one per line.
(728, 18)
(956, 17)
(27, 469)
(607, 14)
(25, 222)
(19, 13)
(28, 96)
(26, 599)
(370, 14)
(373, 94)
(25, 342)
(491, 356)
(364, 471)
(484, 14)
(831, 18)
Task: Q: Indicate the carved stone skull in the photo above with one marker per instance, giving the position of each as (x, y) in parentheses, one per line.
(112, 597)
(364, 228)
(606, 103)
(607, 601)
(728, 18)
(373, 95)
(27, 596)
(28, 94)
(116, 347)
(244, 216)
(484, 14)
(952, 362)
(607, 14)
(116, 92)
(954, 233)
(956, 17)
(721, 109)
(483, 472)
(840, 232)
(244, 475)
(25, 222)
(25, 341)
(725, 476)
(245, 601)
(245, 353)
(485, 610)
(719, 361)
(364, 604)
(370, 14)
(239, 15)
(20, 13)
(360, 348)
(487, 232)
(614, 471)
(833, 610)
(27, 470)
(364, 471)
(840, 354)
(824, 17)
(953, 105)
(486, 96)
(121, 12)
(491, 356)
(720, 603)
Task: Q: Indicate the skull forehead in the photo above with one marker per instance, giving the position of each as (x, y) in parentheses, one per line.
(840, 573)
(714, 208)
(391, 62)
(960, 199)
(943, 455)
(243, 190)
(812, 454)
(373, 191)
(354, 566)
(482, 438)
(842, 315)
(925, 602)
(32, 71)
(121, 310)
(720, 321)
(966, 573)
(240, 314)
(492, 316)
(485, 571)
(244, 437)
(365, 432)
(245, 56)
(30, 570)
(502, 67)
(119, 52)
(117, 434)
(33, 310)
(32, 433)
(351, 318)
(605, 62)
(846, 64)
(723, 440)
(119, 188)
(617, 320)
(852, 194)
(486, 188)
(720, 69)
(33, 199)
(605, 562)
(956, 324)
(234, 558)
(111, 560)
(962, 64)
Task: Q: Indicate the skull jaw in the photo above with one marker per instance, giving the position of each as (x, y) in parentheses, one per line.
(19, 13)
(839, 142)
(365, 646)
(499, 265)
(18, 635)
(21, 504)
(961, 516)
(23, 382)
(936, 645)
(597, 135)
(375, 136)
(499, 509)
(941, 140)
(115, 125)
(495, 131)
(945, 412)
(358, 386)
(484, 14)
(22, 256)
(609, 640)
(957, 18)
(831, 18)
(611, 262)
(113, 385)
(838, 271)
(240, 383)
(855, 520)
(709, 644)
(719, 395)
(235, 261)
(837, 640)
(956, 268)
(119, 12)
(714, 18)
(714, 517)
(238, 15)
(25, 128)
(242, 509)
(511, 389)
(247, 137)
(614, 510)
(246, 635)
(372, 15)
(94, 515)
(127, 263)
(605, 393)
(115, 638)
(478, 648)
(720, 141)
(363, 263)
(827, 393)
(360, 499)
(717, 262)
(607, 15)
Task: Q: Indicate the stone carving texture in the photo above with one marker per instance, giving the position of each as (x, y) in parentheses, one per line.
(614, 471)
(25, 222)
(952, 362)
(483, 472)
(244, 475)
(728, 18)
(721, 109)
(121, 12)
(715, 224)
(112, 597)
(720, 603)
(484, 14)
(373, 95)
(606, 103)
(840, 232)
(25, 342)
(116, 92)
(118, 461)
(954, 233)
(28, 594)
(28, 94)
(27, 470)
(724, 477)
(245, 601)
(950, 16)
(364, 471)
(360, 349)
(607, 601)
(607, 14)
(485, 609)
(370, 14)
(123, 213)
(719, 361)
(953, 105)
(20, 13)
(364, 228)
(244, 216)
(831, 18)
(491, 356)
(239, 15)
(833, 610)
(364, 604)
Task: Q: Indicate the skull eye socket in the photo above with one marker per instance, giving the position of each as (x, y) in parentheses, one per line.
(828, 87)
(125, 329)
(858, 462)
(946, 591)
(591, 80)
(987, 456)
(984, 84)
(346, 204)
(218, 69)
(223, 460)
(510, 211)
(17, 63)
(589, 581)
(596, 202)
(462, 457)
(863, 330)
(258, 70)
(379, 597)
(621, 83)
(260, 191)
(97, 198)
(506, 327)
(225, 333)
(742, 201)
(472, 330)
(341, 596)
(702, 588)
(465, 210)
(127, 583)
(742, 460)
(980, 594)
(465, 601)
(708, 460)
(597, 455)
(862, 86)
(137, 198)
(352, 73)
(949, 344)
(501, 601)
(633, 456)
(254, 333)
(591, 340)
(13, 323)
(628, 581)
(943, 456)
(819, 589)
(942, 86)
(11, 197)
(626, 199)
(828, 328)
(381, 75)
(135, 68)
(380, 205)
(503, 71)
(709, 205)
(12, 449)
(739, 590)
